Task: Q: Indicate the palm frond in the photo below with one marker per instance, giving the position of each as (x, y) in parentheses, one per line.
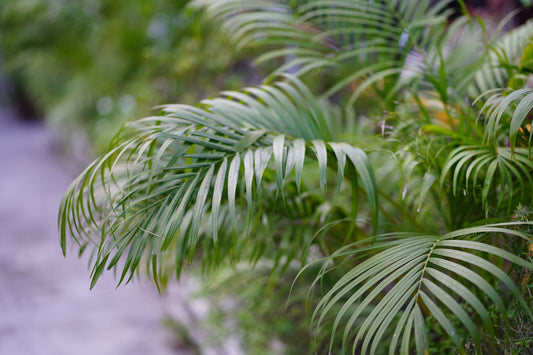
(508, 111)
(496, 171)
(405, 278)
(502, 64)
(365, 41)
(166, 175)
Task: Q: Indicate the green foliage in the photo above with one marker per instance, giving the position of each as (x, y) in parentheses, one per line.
(386, 163)
(261, 310)
(95, 63)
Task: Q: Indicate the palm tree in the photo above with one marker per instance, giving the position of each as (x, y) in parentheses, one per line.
(392, 143)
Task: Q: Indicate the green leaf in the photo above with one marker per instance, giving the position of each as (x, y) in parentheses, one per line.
(249, 176)
(360, 161)
(441, 318)
(298, 147)
(322, 156)
(519, 115)
(427, 182)
(199, 207)
(278, 149)
(233, 176)
(341, 162)
(217, 197)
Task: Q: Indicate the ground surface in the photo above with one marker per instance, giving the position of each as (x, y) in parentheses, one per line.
(45, 303)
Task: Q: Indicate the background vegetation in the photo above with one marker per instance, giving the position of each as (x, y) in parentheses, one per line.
(94, 64)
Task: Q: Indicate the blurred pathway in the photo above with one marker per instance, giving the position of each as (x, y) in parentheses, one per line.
(45, 303)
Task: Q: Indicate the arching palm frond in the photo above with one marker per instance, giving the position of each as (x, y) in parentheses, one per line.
(165, 175)
(365, 41)
(494, 172)
(406, 278)
(503, 62)
(506, 113)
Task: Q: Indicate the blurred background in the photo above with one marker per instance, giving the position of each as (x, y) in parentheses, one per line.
(71, 73)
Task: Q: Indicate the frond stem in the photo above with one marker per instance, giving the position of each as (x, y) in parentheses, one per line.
(424, 269)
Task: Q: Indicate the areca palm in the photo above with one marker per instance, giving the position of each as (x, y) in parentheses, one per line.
(403, 166)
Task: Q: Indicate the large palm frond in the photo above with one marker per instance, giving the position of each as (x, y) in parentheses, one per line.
(404, 278)
(165, 175)
(364, 40)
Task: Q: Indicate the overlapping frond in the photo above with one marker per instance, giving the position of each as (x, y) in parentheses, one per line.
(504, 63)
(366, 41)
(166, 175)
(506, 113)
(405, 278)
(487, 171)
